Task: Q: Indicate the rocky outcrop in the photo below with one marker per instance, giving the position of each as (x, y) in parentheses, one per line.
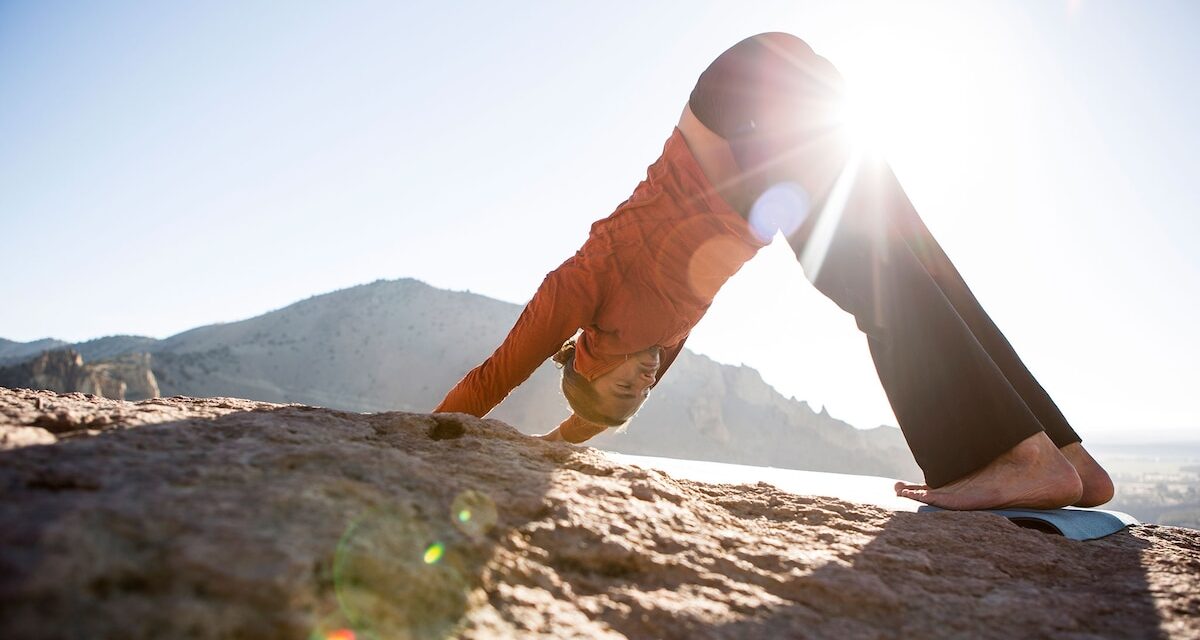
(62, 370)
(125, 377)
(133, 371)
(222, 518)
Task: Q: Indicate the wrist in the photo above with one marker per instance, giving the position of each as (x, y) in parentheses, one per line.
(576, 430)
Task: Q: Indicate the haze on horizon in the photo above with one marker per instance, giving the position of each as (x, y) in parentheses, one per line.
(168, 166)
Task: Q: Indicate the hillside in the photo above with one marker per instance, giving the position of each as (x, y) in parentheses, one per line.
(225, 518)
(11, 352)
(400, 345)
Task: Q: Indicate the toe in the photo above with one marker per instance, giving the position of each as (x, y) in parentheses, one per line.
(901, 485)
(915, 493)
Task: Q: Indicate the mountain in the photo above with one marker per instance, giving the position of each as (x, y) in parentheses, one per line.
(18, 351)
(225, 518)
(113, 346)
(400, 345)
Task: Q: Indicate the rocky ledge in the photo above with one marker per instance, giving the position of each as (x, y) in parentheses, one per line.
(222, 518)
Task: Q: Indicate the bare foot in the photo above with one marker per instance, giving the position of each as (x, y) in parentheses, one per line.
(1097, 486)
(1032, 474)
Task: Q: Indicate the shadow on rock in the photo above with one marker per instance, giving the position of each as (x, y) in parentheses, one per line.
(219, 518)
(976, 575)
(260, 521)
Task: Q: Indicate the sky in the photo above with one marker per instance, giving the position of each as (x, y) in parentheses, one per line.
(169, 165)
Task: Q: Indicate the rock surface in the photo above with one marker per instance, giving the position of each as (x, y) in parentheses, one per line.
(223, 518)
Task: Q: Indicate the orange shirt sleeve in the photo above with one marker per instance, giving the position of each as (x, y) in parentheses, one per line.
(576, 430)
(566, 300)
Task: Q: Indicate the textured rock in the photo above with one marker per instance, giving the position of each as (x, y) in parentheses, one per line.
(222, 518)
(125, 377)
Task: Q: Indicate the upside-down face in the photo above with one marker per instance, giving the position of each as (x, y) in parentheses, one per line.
(622, 391)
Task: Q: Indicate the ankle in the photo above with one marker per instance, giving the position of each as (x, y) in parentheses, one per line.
(1039, 457)
(1037, 450)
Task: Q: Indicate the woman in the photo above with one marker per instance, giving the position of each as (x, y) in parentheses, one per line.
(757, 141)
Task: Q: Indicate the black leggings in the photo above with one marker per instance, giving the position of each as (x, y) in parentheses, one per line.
(961, 394)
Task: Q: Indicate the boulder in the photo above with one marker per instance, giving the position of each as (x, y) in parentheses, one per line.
(223, 518)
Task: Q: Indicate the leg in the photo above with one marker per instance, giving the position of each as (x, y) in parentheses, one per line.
(755, 117)
(943, 272)
(1097, 486)
(959, 412)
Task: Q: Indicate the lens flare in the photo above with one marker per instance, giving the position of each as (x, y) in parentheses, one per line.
(334, 625)
(473, 513)
(713, 262)
(781, 208)
(394, 577)
(434, 552)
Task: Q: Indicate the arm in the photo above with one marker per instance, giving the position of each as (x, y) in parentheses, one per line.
(565, 301)
(575, 430)
(668, 357)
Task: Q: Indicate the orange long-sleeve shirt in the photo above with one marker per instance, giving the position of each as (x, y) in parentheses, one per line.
(644, 277)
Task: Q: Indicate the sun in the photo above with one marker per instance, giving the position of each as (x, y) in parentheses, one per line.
(878, 111)
(904, 95)
(864, 119)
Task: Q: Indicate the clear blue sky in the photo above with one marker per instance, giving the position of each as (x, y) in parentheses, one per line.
(169, 164)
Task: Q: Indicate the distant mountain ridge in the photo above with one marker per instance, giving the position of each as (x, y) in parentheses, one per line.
(12, 352)
(401, 344)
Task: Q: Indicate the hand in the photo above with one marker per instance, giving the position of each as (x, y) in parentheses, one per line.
(553, 436)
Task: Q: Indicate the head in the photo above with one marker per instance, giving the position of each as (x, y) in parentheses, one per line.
(614, 397)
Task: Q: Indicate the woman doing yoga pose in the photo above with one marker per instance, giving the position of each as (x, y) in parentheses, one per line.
(757, 142)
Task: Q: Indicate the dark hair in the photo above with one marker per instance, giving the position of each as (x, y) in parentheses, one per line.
(581, 394)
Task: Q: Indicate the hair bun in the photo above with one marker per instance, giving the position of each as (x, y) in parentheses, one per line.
(565, 354)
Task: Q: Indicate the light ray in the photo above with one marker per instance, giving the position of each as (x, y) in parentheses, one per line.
(812, 257)
(823, 137)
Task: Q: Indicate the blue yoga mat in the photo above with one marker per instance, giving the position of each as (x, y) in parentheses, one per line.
(1073, 522)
